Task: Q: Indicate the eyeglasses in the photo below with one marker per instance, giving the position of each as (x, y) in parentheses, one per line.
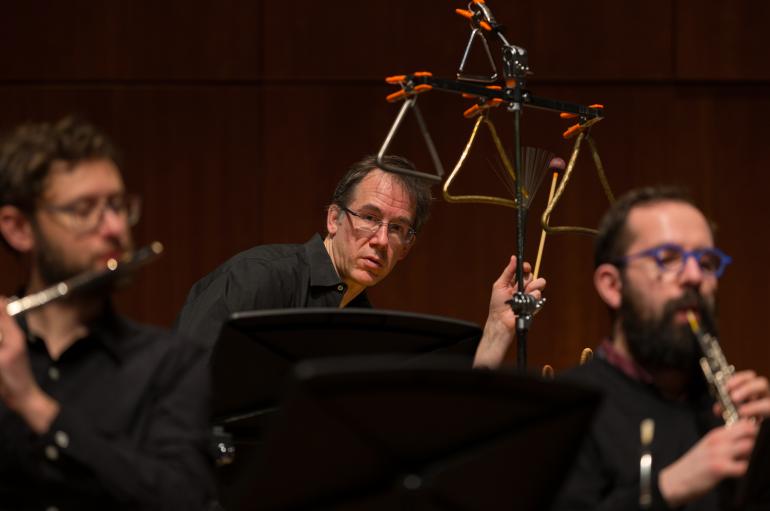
(85, 215)
(367, 225)
(673, 258)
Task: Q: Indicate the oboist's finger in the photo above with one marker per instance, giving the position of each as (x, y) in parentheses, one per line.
(755, 388)
(757, 410)
(739, 378)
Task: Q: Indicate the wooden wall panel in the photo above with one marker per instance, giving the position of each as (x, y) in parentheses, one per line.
(566, 40)
(191, 153)
(44, 40)
(722, 40)
(238, 118)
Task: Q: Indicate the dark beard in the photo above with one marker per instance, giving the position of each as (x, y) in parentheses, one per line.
(660, 344)
(50, 263)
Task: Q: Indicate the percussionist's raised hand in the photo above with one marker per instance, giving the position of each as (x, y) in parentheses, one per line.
(500, 328)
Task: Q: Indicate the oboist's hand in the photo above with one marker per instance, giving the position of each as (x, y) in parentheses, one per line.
(750, 393)
(725, 451)
(18, 389)
(500, 327)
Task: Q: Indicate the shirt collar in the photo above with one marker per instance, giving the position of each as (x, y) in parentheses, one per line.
(107, 329)
(322, 271)
(622, 363)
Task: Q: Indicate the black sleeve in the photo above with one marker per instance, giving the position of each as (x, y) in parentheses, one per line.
(205, 310)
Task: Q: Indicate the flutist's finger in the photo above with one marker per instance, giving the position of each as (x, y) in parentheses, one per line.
(3, 316)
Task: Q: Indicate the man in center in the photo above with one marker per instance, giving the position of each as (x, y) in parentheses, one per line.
(371, 225)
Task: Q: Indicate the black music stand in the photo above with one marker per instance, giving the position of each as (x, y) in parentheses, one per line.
(365, 435)
(256, 351)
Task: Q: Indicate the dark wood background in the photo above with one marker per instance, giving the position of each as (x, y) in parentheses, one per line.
(237, 117)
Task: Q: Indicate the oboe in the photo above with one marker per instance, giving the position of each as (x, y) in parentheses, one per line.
(113, 271)
(716, 369)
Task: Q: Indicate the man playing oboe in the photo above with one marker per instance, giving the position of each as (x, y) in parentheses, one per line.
(96, 412)
(655, 261)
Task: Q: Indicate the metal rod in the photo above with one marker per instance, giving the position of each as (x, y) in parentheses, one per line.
(521, 217)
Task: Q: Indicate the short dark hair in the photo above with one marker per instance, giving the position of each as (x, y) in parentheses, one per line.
(27, 154)
(418, 189)
(614, 237)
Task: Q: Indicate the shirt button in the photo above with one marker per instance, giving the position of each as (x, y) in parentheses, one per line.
(51, 452)
(54, 373)
(62, 439)
(340, 288)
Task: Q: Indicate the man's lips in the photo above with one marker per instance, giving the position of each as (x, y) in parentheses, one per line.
(372, 262)
(113, 254)
(680, 313)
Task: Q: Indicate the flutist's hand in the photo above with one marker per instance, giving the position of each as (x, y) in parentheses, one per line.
(723, 453)
(500, 327)
(18, 389)
(750, 393)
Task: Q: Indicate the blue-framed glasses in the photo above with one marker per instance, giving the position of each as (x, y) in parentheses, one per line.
(673, 258)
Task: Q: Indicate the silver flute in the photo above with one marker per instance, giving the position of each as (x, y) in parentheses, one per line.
(716, 369)
(114, 271)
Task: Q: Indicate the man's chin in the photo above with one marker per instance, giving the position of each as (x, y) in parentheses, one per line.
(367, 278)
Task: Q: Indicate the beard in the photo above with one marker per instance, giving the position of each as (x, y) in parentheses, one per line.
(52, 262)
(661, 343)
(54, 265)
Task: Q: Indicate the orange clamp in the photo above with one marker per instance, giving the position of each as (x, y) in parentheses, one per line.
(395, 79)
(404, 93)
(478, 108)
(464, 13)
(572, 130)
(567, 115)
(472, 111)
(392, 98)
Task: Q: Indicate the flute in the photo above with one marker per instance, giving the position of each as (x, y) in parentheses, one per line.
(716, 369)
(87, 280)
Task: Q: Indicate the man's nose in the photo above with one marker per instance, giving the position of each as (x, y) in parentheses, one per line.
(112, 224)
(380, 236)
(691, 272)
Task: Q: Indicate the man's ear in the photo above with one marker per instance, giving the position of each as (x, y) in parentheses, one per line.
(609, 285)
(16, 229)
(333, 219)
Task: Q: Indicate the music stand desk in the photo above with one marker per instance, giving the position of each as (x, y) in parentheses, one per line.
(367, 435)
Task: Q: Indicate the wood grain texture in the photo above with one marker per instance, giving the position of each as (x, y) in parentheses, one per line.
(237, 119)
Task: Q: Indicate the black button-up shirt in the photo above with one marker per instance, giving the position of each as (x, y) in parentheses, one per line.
(132, 430)
(263, 277)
